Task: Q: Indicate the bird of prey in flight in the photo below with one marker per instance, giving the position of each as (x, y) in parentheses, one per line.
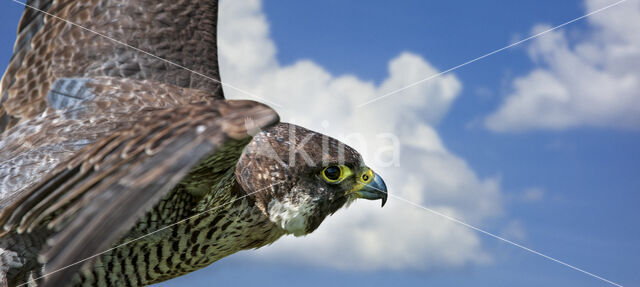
(121, 163)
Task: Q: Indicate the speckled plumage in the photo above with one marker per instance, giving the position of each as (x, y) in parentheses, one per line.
(136, 169)
(180, 31)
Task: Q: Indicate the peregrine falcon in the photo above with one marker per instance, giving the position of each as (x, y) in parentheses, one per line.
(121, 163)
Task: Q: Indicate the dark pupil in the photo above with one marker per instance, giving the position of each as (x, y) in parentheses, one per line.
(332, 172)
(365, 177)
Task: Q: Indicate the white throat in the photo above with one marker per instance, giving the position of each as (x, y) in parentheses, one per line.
(293, 218)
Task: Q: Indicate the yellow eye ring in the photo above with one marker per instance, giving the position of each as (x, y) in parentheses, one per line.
(332, 174)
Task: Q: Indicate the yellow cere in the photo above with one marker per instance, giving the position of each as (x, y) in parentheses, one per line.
(337, 173)
(367, 176)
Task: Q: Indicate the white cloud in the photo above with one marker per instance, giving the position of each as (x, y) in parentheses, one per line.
(365, 236)
(594, 82)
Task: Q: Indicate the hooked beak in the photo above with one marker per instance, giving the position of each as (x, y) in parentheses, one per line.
(376, 189)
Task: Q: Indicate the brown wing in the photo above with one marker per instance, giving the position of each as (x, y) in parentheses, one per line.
(97, 194)
(48, 48)
(81, 112)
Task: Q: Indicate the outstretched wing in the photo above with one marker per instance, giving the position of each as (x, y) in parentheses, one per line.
(104, 107)
(82, 39)
(81, 111)
(92, 197)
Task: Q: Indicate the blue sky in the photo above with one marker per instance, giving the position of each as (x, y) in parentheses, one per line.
(572, 192)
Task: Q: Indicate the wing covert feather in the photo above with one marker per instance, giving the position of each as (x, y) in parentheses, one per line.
(95, 196)
(48, 48)
(89, 169)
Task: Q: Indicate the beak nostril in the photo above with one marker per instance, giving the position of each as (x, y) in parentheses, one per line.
(373, 188)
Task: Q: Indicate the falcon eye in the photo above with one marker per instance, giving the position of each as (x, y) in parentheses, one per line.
(332, 174)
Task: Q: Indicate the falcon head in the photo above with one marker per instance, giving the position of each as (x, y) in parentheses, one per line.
(298, 177)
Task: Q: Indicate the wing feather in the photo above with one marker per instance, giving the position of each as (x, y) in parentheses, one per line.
(47, 48)
(95, 196)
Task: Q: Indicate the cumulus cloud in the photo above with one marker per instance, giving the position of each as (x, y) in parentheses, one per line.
(397, 139)
(593, 82)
